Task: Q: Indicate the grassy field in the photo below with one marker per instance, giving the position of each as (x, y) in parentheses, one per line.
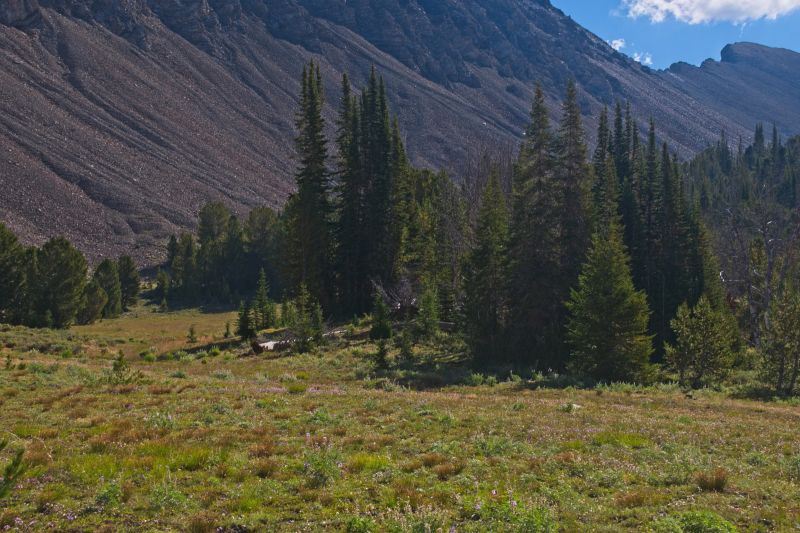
(190, 437)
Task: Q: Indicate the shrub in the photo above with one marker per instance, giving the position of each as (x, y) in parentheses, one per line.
(694, 522)
(363, 462)
(536, 521)
(713, 481)
(475, 380)
(359, 524)
(445, 471)
(121, 373)
(109, 495)
(296, 388)
(205, 522)
(12, 472)
(166, 496)
(793, 468)
(265, 468)
(703, 352)
(320, 467)
(381, 324)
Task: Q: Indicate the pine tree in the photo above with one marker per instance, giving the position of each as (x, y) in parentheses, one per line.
(621, 143)
(244, 325)
(381, 321)
(604, 146)
(107, 276)
(303, 327)
(264, 313)
(535, 300)
(12, 276)
(485, 305)
(573, 174)
(93, 302)
(128, 280)
(351, 231)
(309, 209)
(703, 353)
(781, 350)
(162, 285)
(428, 318)
(609, 318)
(57, 284)
(558, 235)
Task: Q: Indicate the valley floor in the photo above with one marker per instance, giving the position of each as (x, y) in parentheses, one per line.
(219, 441)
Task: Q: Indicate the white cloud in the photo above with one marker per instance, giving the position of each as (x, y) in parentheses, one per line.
(702, 11)
(645, 58)
(617, 44)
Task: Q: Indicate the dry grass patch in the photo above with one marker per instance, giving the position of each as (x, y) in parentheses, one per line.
(713, 481)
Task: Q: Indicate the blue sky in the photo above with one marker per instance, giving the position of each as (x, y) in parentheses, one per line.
(662, 32)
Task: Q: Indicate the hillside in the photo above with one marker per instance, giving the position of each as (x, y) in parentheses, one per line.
(118, 119)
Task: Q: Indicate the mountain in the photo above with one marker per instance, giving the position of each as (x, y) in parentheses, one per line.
(752, 83)
(119, 118)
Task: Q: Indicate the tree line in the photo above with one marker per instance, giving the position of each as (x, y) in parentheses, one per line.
(602, 264)
(50, 286)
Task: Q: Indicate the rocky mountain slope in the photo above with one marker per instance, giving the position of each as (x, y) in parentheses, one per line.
(119, 118)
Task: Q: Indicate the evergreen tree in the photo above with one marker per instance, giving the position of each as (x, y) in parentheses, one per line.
(604, 146)
(264, 309)
(381, 321)
(303, 326)
(573, 173)
(317, 324)
(608, 322)
(485, 307)
(621, 143)
(244, 325)
(263, 236)
(129, 281)
(233, 282)
(351, 231)
(107, 276)
(93, 302)
(535, 298)
(781, 349)
(703, 353)
(309, 209)
(12, 276)
(58, 283)
(428, 319)
(162, 285)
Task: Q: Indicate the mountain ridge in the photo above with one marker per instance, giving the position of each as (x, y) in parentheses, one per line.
(120, 118)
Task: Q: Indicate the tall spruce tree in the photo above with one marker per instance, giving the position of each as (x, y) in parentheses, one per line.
(351, 231)
(57, 278)
(107, 276)
(609, 318)
(93, 302)
(263, 315)
(128, 280)
(373, 186)
(309, 209)
(12, 275)
(573, 173)
(536, 298)
(485, 307)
